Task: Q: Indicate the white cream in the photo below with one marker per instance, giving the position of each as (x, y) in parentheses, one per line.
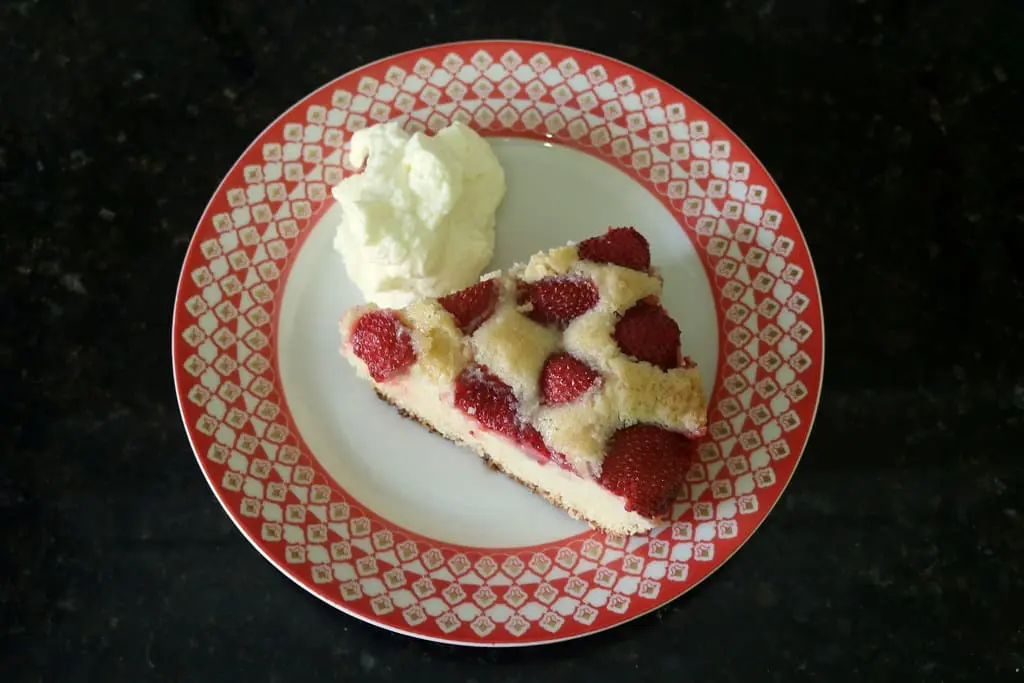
(419, 220)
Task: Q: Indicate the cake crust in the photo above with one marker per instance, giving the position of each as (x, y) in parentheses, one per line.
(489, 462)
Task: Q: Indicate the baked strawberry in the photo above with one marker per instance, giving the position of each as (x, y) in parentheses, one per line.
(382, 341)
(488, 400)
(622, 246)
(532, 438)
(564, 379)
(472, 306)
(484, 397)
(646, 465)
(647, 333)
(558, 300)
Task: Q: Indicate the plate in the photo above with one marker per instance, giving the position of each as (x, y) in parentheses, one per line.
(397, 527)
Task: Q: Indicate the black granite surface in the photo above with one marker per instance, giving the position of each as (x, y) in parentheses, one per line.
(893, 129)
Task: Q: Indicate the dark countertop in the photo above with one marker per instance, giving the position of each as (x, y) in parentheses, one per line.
(894, 133)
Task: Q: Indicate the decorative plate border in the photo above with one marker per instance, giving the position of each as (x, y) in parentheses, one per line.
(769, 368)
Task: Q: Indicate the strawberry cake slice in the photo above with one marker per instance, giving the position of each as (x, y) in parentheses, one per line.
(564, 373)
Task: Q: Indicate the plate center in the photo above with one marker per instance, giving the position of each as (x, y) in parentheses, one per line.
(392, 465)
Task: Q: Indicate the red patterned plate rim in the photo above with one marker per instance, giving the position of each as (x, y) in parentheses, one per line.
(771, 335)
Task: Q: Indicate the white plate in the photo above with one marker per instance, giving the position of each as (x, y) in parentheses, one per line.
(414, 478)
(397, 527)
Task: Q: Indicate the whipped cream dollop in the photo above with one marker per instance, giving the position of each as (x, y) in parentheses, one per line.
(419, 220)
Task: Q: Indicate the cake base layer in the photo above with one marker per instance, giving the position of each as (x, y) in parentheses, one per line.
(580, 498)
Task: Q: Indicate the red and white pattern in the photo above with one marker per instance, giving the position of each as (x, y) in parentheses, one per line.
(760, 413)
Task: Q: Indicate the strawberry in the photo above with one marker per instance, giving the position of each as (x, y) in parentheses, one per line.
(487, 399)
(647, 333)
(564, 379)
(558, 300)
(646, 465)
(622, 246)
(472, 306)
(382, 341)
(531, 438)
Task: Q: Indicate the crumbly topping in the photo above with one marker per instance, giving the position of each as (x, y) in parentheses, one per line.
(632, 392)
(589, 338)
(645, 393)
(515, 348)
(544, 264)
(580, 430)
(440, 346)
(620, 287)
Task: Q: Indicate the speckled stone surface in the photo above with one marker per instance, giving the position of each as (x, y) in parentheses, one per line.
(894, 132)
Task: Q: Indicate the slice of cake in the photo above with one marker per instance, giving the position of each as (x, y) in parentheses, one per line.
(565, 373)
